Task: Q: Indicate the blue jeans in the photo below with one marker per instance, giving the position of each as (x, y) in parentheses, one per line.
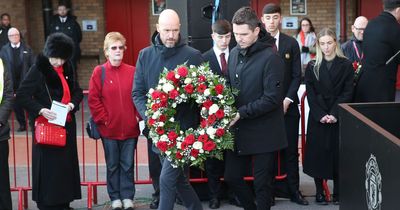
(176, 180)
(119, 156)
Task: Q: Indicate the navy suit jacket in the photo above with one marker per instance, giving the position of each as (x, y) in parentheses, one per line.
(211, 58)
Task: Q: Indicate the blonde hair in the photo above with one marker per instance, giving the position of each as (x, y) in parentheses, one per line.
(319, 55)
(112, 37)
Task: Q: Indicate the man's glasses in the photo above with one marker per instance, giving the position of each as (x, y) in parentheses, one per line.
(359, 29)
(117, 47)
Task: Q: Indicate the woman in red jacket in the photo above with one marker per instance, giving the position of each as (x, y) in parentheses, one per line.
(115, 115)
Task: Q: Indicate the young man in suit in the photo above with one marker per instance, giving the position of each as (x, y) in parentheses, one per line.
(217, 58)
(289, 51)
(256, 71)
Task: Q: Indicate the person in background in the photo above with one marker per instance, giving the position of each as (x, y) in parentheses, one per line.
(18, 58)
(115, 115)
(381, 47)
(329, 82)
(65, 23)
(306, 38)
(167, 51)
(55, 170)
(289, 51)
(353, 49)
(5, 25)
(6, 101)
(256, 71)
(217, 57)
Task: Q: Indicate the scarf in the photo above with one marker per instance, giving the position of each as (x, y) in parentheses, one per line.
(66, 92)
(302, 38)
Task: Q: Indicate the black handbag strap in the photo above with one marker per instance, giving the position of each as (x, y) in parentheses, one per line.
(48, 92)
(103, 75)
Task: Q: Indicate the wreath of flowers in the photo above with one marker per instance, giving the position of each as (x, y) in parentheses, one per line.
(208, 90)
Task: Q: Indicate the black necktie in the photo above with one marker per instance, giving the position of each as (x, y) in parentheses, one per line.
(223, 64)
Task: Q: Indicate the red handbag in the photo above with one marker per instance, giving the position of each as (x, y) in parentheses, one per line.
(49, 134)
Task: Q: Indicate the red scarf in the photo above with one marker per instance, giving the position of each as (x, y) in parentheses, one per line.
(302, 38)
(66, 93)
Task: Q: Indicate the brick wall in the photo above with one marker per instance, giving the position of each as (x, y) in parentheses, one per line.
(17, 11)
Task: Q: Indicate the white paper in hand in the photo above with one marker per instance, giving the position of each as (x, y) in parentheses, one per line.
(61, 110)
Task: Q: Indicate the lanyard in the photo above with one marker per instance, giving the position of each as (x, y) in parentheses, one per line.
(358, 53)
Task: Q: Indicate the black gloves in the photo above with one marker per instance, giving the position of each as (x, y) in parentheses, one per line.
(305, 49)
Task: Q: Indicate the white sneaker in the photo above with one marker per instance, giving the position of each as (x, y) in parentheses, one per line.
(116, 204)
(128, 204)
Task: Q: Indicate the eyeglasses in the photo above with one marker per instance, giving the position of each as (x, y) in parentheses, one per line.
(305, 24)
(13, 35)
(117, 47)
(359, 29)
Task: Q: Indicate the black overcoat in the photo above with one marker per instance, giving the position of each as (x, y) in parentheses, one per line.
(333, 87)
(55, 170)
(257, 72)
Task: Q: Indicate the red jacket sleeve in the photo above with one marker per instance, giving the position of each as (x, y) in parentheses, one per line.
(96, 106)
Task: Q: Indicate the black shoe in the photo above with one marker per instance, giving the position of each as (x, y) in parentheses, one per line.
(179, 201)
(320, 199)
(299, 199)
(214, 203)
(22, 128)
(273, 201)
(235, 201)
(154, 203)
(335, 200)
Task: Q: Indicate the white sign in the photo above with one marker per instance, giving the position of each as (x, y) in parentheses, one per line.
(89, 25)
(373, 184)
(290, 23)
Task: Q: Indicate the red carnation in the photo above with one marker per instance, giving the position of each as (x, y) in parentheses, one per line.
(162, 118)
(355, 65)
(202, 78)
(189, 139)
(172, 135)
(220, 113)
(220, 132)
(203, 138)
(173, 94)
(203, 123)
(182, 71)
(219, 89)
(184, 145)
(211, 119)
(194, 153)
(171, 76)
(151, 121)
(207, 104)
(209, 146)
(178, 155)
(201, 88)
(155, 106)
(155, 95)
(189, 88)
(162, 145)
(160, 131)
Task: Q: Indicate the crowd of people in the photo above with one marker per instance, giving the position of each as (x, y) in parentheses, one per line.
(266, 67)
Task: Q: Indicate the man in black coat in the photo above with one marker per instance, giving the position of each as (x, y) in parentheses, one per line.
(65, 23)
(352, 49)
(377, 82)
(6, 101)
(217, 58)
(4, 27)
(168, 51)
(18, 58)
(256, 71)
(289, 51)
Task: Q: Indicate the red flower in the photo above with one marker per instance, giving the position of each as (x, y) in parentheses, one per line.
(162, 145)
(164, 97)
(171, 76)
(189, 88)
(202, 78)
(203, 123)
(211, 119)
(173, 94)
(182, 71)
(160, 131)
(203, 138)
(355, 65)
(220, 113)
(219, 89)
(184, 145)
(172, 135)
(209, 146)
(207, 104)
(194, 153)
(151, 121)
(162, 118)
(155, 95)
(189, 139)
(178, 155)
(155, 106)
(220, 132)
(201, 88)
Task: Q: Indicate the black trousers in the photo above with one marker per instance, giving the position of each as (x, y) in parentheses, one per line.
(54, 207)
(20, 115)
(5, 194)
(291, 153)
(154, 164)
(235, 170)
(214, 171)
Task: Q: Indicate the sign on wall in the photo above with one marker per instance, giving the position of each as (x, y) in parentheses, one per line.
(290, 23)
(89, 25)
(298, 7)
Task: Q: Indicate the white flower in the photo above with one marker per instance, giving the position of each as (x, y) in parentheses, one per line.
(201, 132)
(162, 80)
(211, 131)
(160, 124)
(168, 152)
(177, 76)
(220, 97)
(159, 87)
(164, 138)
(151, 90)
(207, 92)
(188, 81)
(201, 151)
(192, 158)
(156, 115)
(178, 145)
(173, 106)
(197, 145)
(172, 119)
(167, 87)
(213, 109)
(194, 74)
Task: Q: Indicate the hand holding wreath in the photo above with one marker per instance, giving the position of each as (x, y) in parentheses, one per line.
(209, 92)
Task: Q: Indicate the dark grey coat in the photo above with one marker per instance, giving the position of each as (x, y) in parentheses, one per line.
(6, 106)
